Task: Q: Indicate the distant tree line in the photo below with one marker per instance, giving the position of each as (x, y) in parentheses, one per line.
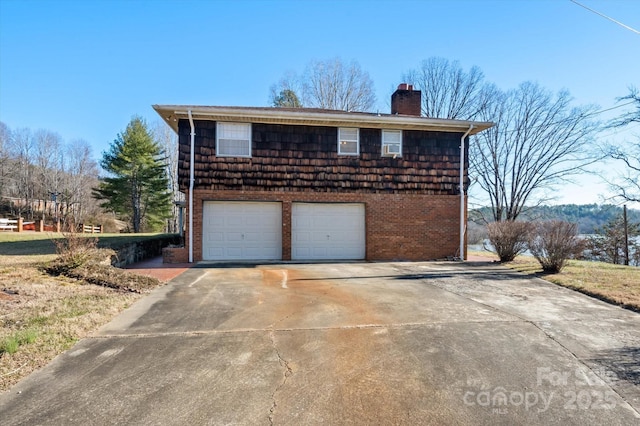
(602, 227)
(42, 175)
(588, 217)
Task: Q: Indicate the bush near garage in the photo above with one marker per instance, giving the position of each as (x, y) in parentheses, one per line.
(509, 238)
(553, 242)
(79, 258)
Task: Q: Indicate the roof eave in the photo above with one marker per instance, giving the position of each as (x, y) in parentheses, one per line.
(171, 114)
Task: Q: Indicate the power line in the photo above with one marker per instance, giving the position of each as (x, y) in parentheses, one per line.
(606, 17)
(609, 109)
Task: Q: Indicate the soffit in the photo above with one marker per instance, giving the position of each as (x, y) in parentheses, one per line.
(171, 114)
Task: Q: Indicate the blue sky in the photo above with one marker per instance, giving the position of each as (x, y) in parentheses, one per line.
(83, 68)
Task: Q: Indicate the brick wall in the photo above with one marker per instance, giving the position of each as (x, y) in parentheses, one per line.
(175, 255)
(398, 226)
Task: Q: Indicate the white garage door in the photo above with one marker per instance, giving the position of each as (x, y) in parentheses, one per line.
(241, 230)
(327, 231)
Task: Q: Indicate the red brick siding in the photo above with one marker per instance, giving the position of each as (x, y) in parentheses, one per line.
(175, 255)
(398, 226)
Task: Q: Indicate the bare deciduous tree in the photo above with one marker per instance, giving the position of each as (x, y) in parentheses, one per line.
(448, 91)
(627, 185)
(6, 165)
(539, 141)
(33, 166)
(5, 134)
(168, 141)
(330, 84)
(48, 168)
(81, 176)
(24, 176)
(630, 116)
(333, 85)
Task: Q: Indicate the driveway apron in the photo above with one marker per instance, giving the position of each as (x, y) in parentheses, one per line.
(351, 343)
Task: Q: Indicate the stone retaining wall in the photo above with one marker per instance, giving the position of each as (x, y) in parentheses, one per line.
(142, 250)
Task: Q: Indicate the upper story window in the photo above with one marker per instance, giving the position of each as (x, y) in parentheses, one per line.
(233, 139)
(392, 143)
(348, 141)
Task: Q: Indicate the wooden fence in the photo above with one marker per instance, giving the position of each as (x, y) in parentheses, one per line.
(8, 224)
(19, 225)
(90, 229)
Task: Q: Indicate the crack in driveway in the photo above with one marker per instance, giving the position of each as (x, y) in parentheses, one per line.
(288, 371)
(288, 329)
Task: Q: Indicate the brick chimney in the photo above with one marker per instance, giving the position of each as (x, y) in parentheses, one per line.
(406, 101)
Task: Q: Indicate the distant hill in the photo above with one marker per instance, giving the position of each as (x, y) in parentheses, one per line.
(587, 216)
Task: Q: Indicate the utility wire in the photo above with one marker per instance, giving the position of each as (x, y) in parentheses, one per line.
(609, 109)
(606, 17)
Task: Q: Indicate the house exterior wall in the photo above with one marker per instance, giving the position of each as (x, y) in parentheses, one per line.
(305, 158)
(412, 203)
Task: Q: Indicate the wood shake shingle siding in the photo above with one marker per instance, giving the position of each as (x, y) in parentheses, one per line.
(305, 159)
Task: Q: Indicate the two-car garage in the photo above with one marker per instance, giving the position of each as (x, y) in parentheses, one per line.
(248, 230)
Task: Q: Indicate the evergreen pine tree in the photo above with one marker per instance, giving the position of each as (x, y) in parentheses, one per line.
(137, 188)
(287, 99)
(607, 245)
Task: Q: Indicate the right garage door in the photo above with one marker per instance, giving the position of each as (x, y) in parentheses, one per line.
(328, 231)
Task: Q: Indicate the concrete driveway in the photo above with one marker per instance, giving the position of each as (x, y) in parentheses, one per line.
(360, 343)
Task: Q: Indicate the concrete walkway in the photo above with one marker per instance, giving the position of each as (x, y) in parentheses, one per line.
(404, 343)
(156, 269)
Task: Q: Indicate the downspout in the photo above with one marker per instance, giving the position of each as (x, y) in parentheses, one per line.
(462, 205)
(191, 180)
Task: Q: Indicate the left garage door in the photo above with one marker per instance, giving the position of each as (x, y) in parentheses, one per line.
(241, 230)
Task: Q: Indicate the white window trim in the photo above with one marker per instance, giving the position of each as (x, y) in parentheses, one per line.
(340, 129)
(386, 143)
(218, 154)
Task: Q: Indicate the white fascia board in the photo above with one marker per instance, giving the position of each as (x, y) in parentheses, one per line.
(172, 113)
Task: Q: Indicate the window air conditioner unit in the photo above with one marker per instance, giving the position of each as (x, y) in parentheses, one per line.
(392, 149)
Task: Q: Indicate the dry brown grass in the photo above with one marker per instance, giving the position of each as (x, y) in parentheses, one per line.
(57, 310)
(617, 284)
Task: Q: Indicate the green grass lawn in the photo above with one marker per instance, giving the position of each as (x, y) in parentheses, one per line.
(27, 243)
(42, 243)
